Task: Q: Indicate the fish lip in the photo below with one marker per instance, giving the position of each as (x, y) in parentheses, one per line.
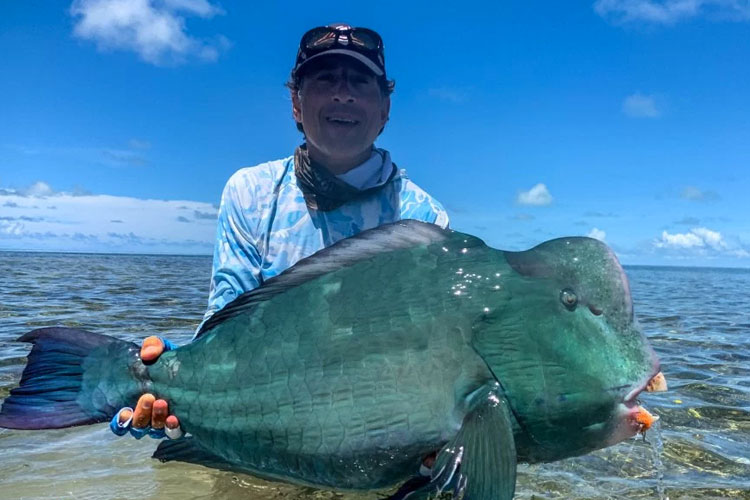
(630, 398)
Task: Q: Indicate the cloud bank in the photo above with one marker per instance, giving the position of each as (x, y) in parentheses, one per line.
(538, 195)
(38, 218)
(669, 12)
(153, 29)
(700, 241)
(697, 238)
(38, 189)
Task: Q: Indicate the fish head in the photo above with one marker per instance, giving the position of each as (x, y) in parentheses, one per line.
(566, 348)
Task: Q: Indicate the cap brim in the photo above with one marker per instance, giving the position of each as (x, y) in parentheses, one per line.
(344, 52)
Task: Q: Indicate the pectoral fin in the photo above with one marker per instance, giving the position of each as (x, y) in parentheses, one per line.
(480, 462)
(186, 450)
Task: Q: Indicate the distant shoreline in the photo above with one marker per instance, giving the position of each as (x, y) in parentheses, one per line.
(193, 255)
(126, 254)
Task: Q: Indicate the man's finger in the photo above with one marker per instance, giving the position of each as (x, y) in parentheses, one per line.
(159, 414)
(151, 349)
(142, 415)
(173, 430)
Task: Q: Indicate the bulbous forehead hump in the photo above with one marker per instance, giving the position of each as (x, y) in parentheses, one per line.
(562, 256)
(586, 264)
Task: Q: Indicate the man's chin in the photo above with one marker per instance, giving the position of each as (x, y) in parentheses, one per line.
(344, 146)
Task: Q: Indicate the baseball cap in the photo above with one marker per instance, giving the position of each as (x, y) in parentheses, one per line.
(363, 44)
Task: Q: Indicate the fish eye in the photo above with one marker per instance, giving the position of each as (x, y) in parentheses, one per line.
(569, 298)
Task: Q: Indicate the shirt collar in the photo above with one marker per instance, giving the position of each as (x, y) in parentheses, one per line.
(374, 171)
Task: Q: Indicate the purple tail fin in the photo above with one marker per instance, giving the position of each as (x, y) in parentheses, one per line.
(73, 377)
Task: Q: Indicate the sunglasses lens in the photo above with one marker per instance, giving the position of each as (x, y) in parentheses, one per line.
(319, 38)
(365, 38)
(323, 37)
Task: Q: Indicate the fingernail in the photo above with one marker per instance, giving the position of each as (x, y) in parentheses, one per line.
(146, 401)
(151, 341)
(173, 432)
(124, 416)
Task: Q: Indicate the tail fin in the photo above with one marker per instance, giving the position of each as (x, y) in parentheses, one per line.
(73, 377)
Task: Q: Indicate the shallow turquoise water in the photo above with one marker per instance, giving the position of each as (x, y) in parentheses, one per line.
(697, 319)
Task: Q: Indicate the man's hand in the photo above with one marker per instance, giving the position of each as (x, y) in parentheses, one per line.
(151, 415)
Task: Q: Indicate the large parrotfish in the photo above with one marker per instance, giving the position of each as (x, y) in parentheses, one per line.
(349, 368)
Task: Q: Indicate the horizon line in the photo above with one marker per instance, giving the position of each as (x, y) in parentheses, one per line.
(166, 254)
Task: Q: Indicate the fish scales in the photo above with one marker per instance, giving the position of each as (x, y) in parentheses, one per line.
(349, 377)
(342, 395)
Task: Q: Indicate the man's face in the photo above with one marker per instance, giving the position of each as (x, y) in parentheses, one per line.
(342, 109)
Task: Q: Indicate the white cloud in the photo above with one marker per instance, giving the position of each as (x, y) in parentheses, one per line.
(671, 11)
(712, 239)
(69, 222)
(597, 234)
(537, 195)
(154, 29)
(38, 189)
(692, 193)
(11, 228)
(697, 238)
(640, 106)
(202, 8)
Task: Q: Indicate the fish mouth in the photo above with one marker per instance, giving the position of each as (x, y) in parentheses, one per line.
(657, 383)
(632, 418)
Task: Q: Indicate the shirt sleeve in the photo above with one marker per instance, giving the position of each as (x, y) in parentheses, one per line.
(442, 219)
(417, 204)
(237, 260)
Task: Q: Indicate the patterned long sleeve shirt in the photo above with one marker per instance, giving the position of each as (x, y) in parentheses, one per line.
(264, 225)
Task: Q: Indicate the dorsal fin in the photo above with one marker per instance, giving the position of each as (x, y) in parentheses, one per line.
(365, 245)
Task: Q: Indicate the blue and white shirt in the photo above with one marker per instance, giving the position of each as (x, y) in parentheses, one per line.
(264, 225)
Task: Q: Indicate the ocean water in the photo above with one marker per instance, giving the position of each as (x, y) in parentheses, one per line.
(697, 319)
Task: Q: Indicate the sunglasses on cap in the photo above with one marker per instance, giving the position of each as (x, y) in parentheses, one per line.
(360, 43)
(325, 37)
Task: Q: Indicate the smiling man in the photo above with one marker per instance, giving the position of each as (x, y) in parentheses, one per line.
(335, 185)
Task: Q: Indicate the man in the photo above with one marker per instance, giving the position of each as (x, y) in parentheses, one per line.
(335, 185)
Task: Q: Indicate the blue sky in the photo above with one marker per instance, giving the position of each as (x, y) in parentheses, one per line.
(626, 120)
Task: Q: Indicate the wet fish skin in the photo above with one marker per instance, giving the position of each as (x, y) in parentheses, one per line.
(335, 388)
(349, 368)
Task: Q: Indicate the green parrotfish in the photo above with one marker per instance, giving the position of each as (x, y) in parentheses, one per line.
(349, 368)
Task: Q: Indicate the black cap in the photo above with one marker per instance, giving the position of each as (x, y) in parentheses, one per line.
(362, 44)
